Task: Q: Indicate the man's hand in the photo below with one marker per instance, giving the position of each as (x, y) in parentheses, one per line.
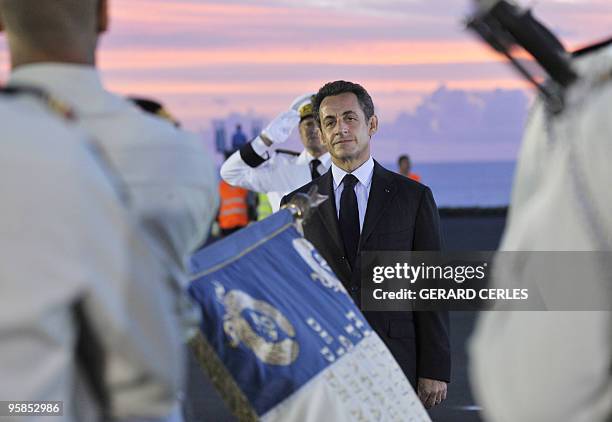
(280, 128)
(431, 392)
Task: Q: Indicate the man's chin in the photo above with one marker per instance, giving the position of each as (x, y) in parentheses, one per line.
(310, 143)
(343, 156)
(344, 150)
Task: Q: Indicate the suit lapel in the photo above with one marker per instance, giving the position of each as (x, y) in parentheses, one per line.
(382, 192)
(327, 210)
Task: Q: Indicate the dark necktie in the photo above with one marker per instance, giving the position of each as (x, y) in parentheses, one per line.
(349, 218)
(314, 171)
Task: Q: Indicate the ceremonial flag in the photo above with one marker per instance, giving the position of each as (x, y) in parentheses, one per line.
(281, 338)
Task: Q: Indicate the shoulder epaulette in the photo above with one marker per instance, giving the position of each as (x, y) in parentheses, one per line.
(288, 152)
(50, 102)
(590, 48)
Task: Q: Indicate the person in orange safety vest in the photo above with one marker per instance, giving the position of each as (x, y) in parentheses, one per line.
(233, 209)
(405, 167)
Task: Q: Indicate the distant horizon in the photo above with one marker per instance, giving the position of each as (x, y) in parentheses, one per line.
(427, 163)
(461, 184)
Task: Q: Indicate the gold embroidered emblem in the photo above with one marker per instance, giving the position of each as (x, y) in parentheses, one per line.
(258, 325)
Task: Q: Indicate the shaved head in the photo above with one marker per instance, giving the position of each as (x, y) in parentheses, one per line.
(53, 30)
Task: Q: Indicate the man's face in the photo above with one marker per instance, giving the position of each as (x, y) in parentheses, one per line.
(344, 128)
(310, 136)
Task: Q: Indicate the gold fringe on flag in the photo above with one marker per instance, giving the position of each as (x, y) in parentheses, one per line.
(221, 379)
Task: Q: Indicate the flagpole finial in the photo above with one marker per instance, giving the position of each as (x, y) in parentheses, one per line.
(303, 204)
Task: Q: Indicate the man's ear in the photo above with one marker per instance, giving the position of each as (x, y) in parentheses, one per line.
(373, 125)
(102, 24)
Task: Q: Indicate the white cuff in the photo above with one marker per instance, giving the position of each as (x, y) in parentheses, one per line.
(260, 148)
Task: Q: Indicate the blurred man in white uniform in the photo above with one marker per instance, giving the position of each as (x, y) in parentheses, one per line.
(261, 166)
(556, 365)
(170, 180)
(83, 301)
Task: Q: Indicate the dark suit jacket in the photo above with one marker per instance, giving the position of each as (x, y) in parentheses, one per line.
(401, 216)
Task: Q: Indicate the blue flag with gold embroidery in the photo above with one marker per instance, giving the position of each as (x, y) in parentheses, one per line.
(288, 338)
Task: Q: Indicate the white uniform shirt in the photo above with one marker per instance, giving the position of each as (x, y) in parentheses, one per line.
(279, 175)
(553, 366)
(171, 181)
(67, 242)
(362, 188)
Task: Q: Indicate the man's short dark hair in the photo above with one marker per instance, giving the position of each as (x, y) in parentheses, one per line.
(402, 158)
(340, 87)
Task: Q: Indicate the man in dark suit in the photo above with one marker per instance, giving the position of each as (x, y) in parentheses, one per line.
(370, 208)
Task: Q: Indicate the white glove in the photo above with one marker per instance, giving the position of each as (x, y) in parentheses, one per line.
(280, 128)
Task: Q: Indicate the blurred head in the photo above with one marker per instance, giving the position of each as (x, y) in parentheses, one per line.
(404, 164)
(238, 128)
(311, 137)
(64, 31)
(344, 112)
(309, 132)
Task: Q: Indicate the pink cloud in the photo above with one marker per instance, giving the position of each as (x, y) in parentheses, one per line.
(373, 52)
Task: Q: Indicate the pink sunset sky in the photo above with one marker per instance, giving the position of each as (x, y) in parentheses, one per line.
(247, 60)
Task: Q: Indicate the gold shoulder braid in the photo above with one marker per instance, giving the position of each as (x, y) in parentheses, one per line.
(222, 379)
(56, 106)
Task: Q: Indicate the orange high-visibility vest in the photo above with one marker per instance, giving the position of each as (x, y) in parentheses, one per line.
(233, 211)
(414, 177)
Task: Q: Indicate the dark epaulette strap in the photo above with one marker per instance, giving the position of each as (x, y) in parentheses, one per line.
(250, 157)
(590, 48)
(288, 152)
(53, 104)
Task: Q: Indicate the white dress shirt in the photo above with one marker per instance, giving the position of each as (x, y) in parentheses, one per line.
(66, 241)
(362, 188)
(170, 179)
(278, 176)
